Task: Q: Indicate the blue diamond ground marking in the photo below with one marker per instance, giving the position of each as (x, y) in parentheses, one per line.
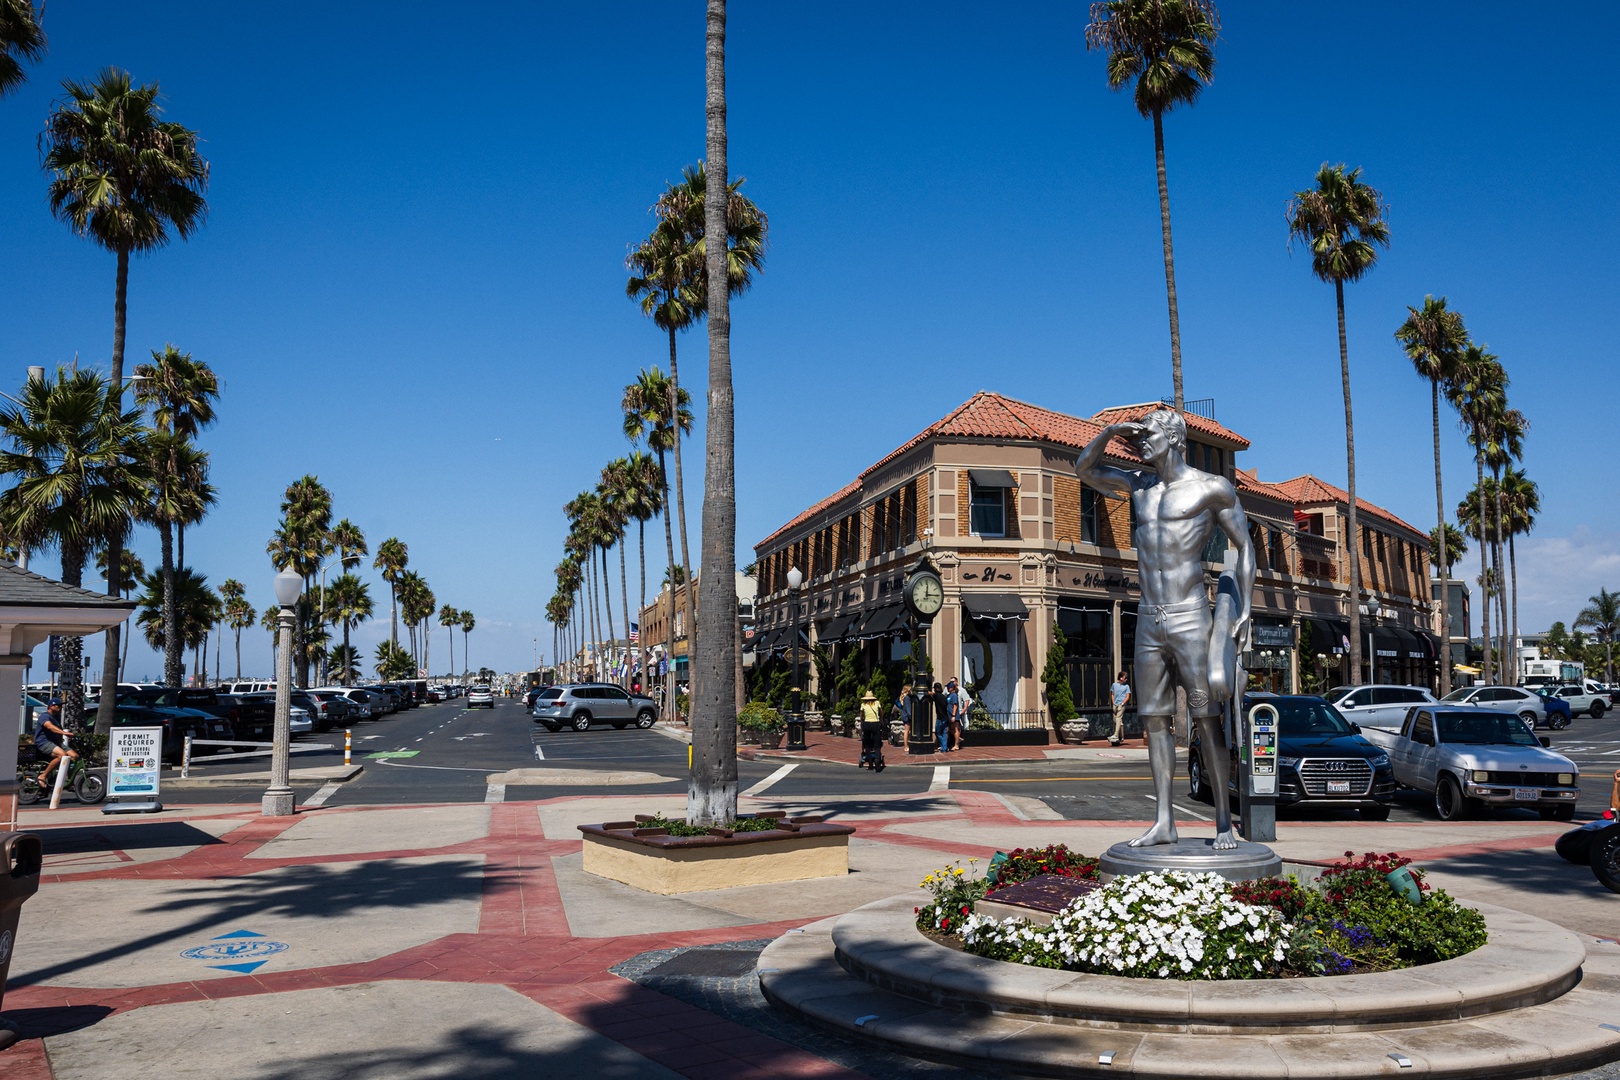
(242, 950)
(243, 968)
(238, 933)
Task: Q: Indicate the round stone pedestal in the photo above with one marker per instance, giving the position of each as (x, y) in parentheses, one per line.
(1195, 856)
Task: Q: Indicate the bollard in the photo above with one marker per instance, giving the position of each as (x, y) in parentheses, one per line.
(61, 775)
(185, 759)
(348, 744)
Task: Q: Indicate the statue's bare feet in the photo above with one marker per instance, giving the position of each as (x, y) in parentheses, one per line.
(1162, 833)
(1225, 841)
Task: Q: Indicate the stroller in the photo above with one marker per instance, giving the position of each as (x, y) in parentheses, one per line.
(873, 734)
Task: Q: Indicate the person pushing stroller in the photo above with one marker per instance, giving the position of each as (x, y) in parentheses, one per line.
(873, 731)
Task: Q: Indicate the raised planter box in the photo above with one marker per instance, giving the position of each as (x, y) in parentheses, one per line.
(652, 860)
(1004, 737)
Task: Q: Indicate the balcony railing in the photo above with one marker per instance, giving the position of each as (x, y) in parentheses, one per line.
(1011, 720)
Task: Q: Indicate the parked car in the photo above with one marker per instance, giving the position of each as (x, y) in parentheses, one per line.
(581, 705)
(388, 696)
(1532, 708)
(1322, 760)
(480, 696)
(324, 713)
(1378, 705)
(177, 724)
(249, 688)
(1469, 757)
(1580, 699)
(363, 704)
(249, 722)
(436, 693)
(299, 721)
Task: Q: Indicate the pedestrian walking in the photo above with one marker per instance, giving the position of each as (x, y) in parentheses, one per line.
(959, 712)
(942, 717)
(1122, 699)
(871, 732)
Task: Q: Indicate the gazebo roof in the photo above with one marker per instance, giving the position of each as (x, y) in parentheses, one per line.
(22, 588)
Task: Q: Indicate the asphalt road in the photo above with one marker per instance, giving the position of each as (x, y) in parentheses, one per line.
(446, 753)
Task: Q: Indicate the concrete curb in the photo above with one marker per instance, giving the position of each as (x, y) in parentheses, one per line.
(328, 774)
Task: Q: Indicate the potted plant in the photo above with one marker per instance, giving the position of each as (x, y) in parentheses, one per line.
(762, 724)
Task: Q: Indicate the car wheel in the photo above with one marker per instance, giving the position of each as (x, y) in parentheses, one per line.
(1375, 813)
(1606, 857)
(553, 728)
(1197, 782)
(645, 719)
(1449, 801)
(90, 788)
(1597, 710)
(1558, 722)
(582, 721)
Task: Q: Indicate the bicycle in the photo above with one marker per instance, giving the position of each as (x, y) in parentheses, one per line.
(85, 782)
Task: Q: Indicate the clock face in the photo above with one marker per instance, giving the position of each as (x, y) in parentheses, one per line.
(927, 597)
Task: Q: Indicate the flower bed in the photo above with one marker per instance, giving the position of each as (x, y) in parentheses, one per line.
(1353, 919)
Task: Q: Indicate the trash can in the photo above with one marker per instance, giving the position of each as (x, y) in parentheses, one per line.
(19, 879)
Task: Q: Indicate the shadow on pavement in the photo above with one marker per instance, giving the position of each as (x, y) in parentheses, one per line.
(319, 891)
(44, 1023)
(83, 840)
(1536, 871)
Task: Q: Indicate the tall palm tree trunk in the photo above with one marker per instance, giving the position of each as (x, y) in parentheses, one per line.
(680, 505)
(173, 657)
(427, 636)
(669, 623)
(641, 638)
(624, 602)
(1169, 257)
(1513, 574)
(607, 602)
(712, 790)
(393, 614)
(466, 650)
(1440, 534)
(239, 652)
(70, 654)
(1510, 658)
(110, 667)
(348, 665)
(1350, 469)
(1484, 575)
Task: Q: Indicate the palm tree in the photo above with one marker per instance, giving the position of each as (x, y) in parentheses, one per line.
(345, 664)
(1167, 47)
(270, 622)
(467, 622)
(393, 662)
(20, 39)
(643, 499)
(349, 543)
(418, 604)
(348, 604)
(301, 542)
(1479, 394)
(1505, 445)
(133, 570)
(647, 413)
(392, 556)
(239, 615)
(1521, 502)
(181, 393)
(1455, 546)
(450, 618)
(77, 462)
(179, 491)
(1602, 616)
(196, 602)
(616, 490)
(1341, 220)
(129, 180)
(1434, 339)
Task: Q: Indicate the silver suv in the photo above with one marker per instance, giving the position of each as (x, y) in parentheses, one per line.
(1531, 707)
(1382, 706)
(584, 704)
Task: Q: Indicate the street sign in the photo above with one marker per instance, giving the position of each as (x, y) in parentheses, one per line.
(134, 760)
(55, 652)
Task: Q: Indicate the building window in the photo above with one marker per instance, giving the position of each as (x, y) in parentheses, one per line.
(1089, 513)
(1366, 543)
(988, 510)
(1279, 557)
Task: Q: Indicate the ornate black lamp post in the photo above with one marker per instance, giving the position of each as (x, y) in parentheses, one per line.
(925, 595)
(795, 724)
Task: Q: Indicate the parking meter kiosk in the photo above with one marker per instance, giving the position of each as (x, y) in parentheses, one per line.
(1257, 791)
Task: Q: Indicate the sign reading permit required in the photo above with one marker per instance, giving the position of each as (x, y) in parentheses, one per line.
(134, 760)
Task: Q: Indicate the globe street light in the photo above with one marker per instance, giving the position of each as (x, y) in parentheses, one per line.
(278, 797)
(795, 726)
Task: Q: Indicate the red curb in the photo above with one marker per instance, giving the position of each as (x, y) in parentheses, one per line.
(26, 1060)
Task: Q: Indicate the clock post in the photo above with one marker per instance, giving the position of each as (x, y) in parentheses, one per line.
(924, 596)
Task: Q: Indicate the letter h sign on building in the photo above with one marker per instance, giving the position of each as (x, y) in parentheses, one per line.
(134, 758)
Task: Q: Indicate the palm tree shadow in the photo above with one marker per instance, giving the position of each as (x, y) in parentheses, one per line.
(317, 890)
(146, 835)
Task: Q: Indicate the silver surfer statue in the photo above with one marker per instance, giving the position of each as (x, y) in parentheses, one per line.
(1181, 640)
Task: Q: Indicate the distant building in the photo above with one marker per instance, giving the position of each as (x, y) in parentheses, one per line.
(656, 618)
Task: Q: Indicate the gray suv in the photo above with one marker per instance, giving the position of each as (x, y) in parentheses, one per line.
(584, 704)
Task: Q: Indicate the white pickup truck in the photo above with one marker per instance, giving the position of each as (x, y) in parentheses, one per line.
(1585, 698)
(1470, 758)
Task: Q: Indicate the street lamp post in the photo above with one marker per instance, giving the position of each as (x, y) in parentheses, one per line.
(1371, 609)
(795, 726)
(278, 797)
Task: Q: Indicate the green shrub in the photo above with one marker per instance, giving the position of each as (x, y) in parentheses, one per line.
(1356, 895)
(955, 891)
(760, 717)
(1059, 695)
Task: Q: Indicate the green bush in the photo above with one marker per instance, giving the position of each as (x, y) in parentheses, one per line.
(760, 717)
(1059, 695)
(1356, 895)
(955, 890)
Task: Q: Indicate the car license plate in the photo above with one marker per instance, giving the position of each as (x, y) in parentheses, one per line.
(1526, 794)
(1338, 787)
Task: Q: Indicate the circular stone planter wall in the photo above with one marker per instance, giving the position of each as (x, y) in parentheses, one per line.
(1530, 1002)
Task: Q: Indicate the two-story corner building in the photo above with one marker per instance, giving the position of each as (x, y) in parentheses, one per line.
(654, 628)
(989, 493)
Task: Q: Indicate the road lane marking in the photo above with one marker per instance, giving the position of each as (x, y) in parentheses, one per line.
(942, 778)
(1184, 810)
(320, 797)
(1046, 779)
(494, 793)
(539, 754)
(763, 785)
(440, 768)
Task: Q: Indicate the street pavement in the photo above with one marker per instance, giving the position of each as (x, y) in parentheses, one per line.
(430, 918)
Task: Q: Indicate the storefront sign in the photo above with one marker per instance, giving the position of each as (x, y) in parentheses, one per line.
(1272, 636)
(1101, 580)
(133, 757)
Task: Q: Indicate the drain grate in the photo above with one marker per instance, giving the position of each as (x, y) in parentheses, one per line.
(707, 964)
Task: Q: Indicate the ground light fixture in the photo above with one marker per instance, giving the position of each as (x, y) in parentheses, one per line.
(795, 724)
(278, 797)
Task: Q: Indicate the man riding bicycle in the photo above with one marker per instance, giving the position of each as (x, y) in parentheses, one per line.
(50, 738)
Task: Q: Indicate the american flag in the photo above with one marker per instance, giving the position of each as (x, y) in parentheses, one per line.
(635, 633)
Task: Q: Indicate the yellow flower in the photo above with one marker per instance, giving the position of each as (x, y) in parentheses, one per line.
(957, 871)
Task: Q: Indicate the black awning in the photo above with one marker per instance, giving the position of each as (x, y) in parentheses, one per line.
(1328, 634)
(1412, 646)
(765, 639)
(992, 478)
(1430, 643)
(995, 606)
(1388, 641)
(882, 622)
(838, 627)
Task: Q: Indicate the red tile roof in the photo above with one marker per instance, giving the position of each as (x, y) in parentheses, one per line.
(1308, 489)
(1249, 480)
(1201, 424)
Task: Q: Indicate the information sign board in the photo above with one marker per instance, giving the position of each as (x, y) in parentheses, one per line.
(134, 760)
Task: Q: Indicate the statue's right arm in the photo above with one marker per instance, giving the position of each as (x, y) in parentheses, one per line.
(1093, 473)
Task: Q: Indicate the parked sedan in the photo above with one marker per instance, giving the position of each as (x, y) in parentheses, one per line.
(580, 706)
(177, 724)
(1322, 760)
(1531, 707)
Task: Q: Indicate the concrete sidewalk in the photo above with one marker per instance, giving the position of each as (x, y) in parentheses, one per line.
(465, 940)
(846, 750)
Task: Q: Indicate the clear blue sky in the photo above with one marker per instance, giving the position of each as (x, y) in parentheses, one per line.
(412, 277)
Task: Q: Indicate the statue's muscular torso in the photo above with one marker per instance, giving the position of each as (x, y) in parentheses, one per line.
(1174, 522)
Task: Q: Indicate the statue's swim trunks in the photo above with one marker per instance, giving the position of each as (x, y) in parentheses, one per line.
(1172, 649)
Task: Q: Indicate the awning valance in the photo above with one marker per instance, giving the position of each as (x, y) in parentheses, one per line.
(838, 627)
(992, 478)
(882, 622)
(1327, 634)
(994, 606)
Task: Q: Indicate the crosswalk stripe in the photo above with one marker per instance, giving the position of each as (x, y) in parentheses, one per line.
(495, 793)
(769, 781)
